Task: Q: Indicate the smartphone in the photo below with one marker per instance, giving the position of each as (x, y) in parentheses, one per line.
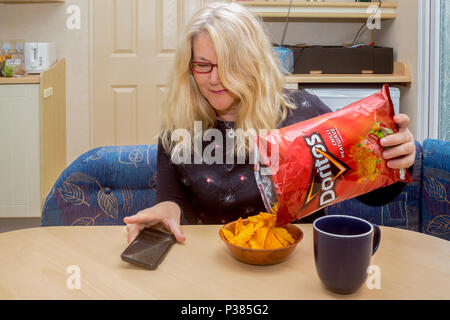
(149, 248)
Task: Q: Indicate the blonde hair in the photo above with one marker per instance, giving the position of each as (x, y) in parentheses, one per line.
(247, 67)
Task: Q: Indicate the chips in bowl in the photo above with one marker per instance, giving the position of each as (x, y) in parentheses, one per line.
(256, 240)
(259, 233)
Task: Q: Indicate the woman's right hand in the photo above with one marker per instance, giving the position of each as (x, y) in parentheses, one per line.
(168, 213)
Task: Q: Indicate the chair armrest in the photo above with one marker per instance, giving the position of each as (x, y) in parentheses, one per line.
(102, 186)
(118, 166)
(436, 188)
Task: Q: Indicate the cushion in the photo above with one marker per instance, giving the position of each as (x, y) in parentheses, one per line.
(436, 188)
(103, 186)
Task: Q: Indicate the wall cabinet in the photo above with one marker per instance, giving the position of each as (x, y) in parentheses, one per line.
(32, 139)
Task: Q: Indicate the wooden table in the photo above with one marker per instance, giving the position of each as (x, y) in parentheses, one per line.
(34, 265)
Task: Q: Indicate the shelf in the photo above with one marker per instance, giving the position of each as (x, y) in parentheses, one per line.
(31, 78)
(401, 75)
(30, 1)
(346, 11)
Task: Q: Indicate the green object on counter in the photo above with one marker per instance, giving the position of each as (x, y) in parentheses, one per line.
(10, 67)
(7, 71)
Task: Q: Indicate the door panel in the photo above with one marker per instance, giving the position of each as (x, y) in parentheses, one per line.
(134, 42)
(20, 194)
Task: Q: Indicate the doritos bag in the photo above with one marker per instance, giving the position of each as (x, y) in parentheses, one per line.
(312, 164)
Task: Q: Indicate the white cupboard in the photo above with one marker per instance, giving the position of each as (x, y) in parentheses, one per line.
(32, 140)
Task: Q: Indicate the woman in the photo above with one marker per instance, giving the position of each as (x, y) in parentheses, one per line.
(226, 76)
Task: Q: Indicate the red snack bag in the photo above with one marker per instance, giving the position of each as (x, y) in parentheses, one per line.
(309, 165)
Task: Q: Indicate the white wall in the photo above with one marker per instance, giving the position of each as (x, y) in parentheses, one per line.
(402, 34)
(47, 23)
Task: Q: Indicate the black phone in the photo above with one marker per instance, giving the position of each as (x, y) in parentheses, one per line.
(149, 248)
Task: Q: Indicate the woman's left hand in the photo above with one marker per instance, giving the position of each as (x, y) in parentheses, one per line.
(402, 149)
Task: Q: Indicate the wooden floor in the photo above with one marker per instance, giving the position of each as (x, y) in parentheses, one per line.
(11, 224)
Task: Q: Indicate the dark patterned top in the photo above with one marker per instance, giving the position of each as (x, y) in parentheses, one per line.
(219, 193)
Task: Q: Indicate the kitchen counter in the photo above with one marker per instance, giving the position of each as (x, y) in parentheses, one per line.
(31, 78)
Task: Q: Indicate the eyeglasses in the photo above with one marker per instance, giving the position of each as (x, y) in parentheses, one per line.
(202, 67)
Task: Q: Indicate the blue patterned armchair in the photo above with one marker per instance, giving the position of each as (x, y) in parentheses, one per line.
(106, 184)
(435, 195)
(102, 187)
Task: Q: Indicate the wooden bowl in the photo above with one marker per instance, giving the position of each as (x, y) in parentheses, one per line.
(262, 257)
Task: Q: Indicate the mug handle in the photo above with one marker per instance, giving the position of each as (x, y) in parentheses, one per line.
(376, 238)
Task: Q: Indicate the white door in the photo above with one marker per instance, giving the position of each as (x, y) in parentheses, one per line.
(133, 49)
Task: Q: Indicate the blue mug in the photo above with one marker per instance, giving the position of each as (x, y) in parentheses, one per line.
(343, 247)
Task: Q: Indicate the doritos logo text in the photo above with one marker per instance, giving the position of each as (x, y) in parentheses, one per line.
(326, 170)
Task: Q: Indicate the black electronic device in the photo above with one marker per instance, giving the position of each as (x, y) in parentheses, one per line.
(149, 248)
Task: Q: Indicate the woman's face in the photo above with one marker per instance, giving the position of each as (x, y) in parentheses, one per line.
(223, 101)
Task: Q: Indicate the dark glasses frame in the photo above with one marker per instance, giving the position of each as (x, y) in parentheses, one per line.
(211, 66)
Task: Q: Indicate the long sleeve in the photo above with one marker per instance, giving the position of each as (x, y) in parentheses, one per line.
(169, 186)
(382, 196)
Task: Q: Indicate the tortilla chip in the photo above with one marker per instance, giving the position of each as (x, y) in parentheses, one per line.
(260, 235)
(259, 224)
(266, 216)
(254, 243)
(271, 223)
(269, 219)
(282, 241)
(259, 232)
(282, 233)
(272, 242)
(238, 227)
(228, 235)
(244, 236)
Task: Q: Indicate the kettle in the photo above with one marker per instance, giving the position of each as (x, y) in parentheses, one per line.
(39, 56)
